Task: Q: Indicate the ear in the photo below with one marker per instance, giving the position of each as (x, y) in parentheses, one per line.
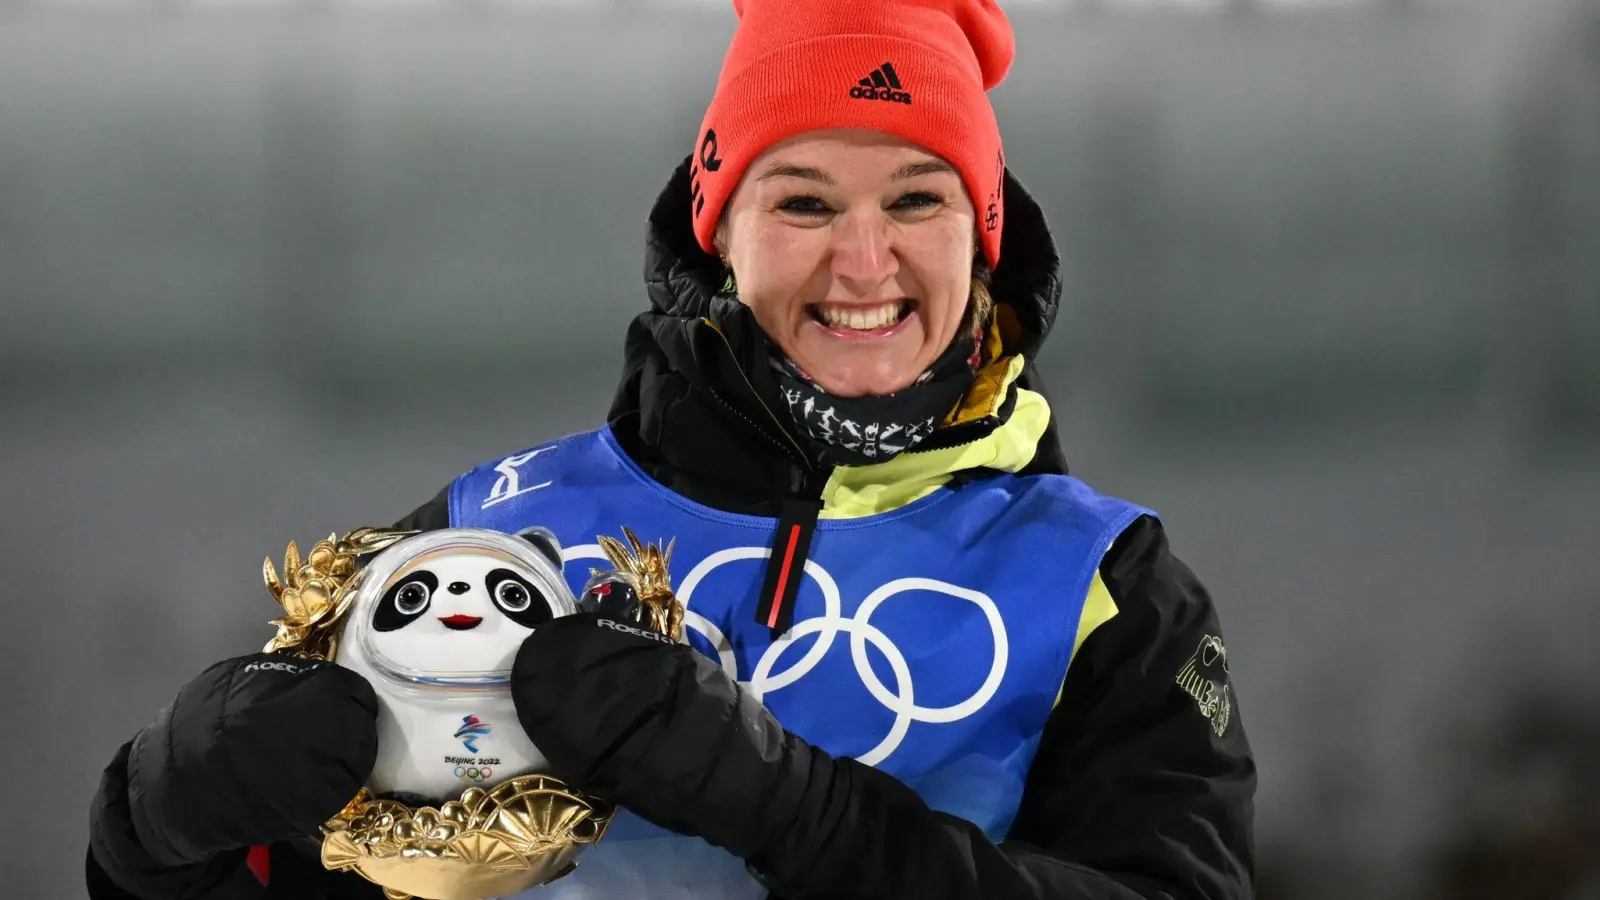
(544, 541)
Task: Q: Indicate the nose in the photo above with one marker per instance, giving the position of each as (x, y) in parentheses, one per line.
(459, 587)
(863, 251)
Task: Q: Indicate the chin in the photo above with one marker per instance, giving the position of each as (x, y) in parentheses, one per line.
(864, 383)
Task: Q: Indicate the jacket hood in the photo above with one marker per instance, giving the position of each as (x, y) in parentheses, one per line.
(683, 279)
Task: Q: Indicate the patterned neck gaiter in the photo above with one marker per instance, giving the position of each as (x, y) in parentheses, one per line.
(860, 431)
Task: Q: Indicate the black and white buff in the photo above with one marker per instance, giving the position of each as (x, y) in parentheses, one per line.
(860, 431)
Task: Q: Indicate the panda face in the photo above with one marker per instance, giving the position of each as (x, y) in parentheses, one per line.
(458, 612)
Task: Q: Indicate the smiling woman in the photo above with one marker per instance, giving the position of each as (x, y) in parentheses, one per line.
(921, 660)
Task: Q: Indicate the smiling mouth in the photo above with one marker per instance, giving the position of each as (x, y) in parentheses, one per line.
(861, 319)
(459, 622)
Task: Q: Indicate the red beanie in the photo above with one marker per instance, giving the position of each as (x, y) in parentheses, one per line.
(918, 69)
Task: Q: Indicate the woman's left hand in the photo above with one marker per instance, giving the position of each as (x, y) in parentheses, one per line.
(656, 727)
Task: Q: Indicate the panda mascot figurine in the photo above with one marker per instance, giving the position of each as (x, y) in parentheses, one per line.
(457, 806)
(435, 625)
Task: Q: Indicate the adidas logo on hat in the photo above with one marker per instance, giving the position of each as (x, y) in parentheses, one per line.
(882, 84)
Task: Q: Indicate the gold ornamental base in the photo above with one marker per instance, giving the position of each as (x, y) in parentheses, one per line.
(490, 843)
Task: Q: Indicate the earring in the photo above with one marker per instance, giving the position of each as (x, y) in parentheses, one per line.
(729, 285)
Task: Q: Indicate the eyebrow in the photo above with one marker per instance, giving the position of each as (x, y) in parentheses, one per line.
(785, 170)
(910, 170)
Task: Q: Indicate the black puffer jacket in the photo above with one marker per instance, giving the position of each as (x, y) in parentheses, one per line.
(1132, 793)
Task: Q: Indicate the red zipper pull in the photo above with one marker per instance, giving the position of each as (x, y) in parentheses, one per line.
(797, 520)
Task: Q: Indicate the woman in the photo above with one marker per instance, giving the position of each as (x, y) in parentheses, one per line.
(991, 681)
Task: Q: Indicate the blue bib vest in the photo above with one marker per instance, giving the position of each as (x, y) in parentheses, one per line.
(929, 642)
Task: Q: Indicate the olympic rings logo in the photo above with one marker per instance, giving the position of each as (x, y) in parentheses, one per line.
(763, 679)
(475, 774)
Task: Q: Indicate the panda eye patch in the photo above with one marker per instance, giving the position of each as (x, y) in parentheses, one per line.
(512, 596)
(405, 601)
(518, 598)
(412, 597)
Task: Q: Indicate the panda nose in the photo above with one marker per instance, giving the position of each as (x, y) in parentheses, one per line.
(459, 587)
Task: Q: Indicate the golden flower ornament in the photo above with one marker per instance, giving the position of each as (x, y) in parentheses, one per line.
(315, 592)
(363, 601)
(489, 843)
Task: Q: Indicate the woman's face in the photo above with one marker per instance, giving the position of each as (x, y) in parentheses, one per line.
(854, 250)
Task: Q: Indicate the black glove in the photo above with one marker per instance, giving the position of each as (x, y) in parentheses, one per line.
(658, 728)
(256, 750)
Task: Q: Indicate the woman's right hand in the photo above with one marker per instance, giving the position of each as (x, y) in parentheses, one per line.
(255, 750)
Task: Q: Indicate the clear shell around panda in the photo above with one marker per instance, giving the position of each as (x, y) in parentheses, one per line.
(434, 626)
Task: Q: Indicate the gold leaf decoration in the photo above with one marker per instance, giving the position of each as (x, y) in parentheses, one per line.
(339, 852)
(646, 567)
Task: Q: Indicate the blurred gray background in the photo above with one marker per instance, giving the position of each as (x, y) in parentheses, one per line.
(271, 268)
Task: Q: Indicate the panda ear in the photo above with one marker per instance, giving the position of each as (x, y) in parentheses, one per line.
(543, 540)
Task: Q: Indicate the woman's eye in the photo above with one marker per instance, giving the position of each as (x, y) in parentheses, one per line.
(411, 598)
(918, 200)
(513, 597)
(804, 205)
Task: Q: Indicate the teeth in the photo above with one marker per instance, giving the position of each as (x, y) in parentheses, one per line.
(859, 318)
